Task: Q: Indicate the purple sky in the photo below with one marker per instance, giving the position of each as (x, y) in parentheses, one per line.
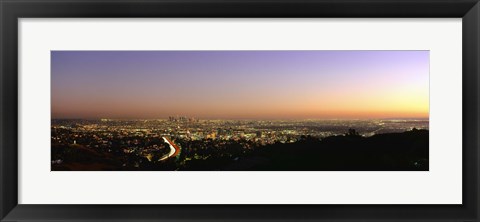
(240, 84)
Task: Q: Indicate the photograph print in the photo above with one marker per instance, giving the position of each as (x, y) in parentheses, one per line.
(248, 110)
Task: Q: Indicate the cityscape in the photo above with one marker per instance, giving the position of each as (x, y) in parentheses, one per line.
(240, 111)
(182, 143)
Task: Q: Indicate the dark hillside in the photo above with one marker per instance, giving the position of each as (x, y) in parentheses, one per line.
(392, 151)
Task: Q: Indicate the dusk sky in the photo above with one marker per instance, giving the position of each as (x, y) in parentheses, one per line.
(240, 84)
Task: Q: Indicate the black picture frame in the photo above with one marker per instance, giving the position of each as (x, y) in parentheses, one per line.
(11, 10)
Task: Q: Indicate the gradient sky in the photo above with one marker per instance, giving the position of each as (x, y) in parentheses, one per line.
(240, 84)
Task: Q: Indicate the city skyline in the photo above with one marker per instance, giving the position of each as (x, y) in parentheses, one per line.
(240, 84)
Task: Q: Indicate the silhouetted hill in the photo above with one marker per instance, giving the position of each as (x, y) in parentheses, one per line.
(393, 151)
(77, 157)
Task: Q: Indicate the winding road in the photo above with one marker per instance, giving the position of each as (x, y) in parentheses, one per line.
(174, 149)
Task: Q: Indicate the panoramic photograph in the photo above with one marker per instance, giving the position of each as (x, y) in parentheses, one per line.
(240, 110)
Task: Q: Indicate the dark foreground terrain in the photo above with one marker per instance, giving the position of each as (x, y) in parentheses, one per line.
(407, 151)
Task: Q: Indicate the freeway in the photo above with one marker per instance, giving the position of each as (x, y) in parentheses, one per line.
(174, 149)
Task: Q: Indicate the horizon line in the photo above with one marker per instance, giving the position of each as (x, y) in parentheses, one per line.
(247, 119)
